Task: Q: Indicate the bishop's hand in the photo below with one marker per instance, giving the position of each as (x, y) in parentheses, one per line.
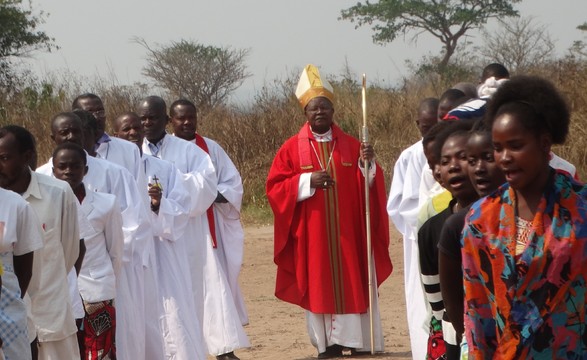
(321, 180)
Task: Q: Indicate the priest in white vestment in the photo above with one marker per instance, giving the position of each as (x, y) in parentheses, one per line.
(403, 208)
(109, 148)
(225, 312)
(199, 178)
(169, 219)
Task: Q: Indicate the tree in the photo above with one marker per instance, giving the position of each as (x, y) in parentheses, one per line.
(447, 20)
(205, 74)
(19, 36)
(579, 47)
(518, 44)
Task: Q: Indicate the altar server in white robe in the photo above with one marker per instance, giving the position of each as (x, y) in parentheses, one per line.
(104, 176)
(51, 321)
(102, 261)
(20, 235)
(227, 205)
(169, 202)
(403, 207)
(200, 180)
(108, 147)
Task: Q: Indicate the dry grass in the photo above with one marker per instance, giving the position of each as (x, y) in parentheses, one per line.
(252, 135)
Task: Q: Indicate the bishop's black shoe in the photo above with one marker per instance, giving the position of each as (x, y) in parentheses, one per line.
(331, 352)
(227, 356)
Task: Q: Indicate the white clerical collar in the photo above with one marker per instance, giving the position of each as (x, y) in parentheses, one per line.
(327, 136)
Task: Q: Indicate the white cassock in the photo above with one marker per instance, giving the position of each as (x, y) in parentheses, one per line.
(50, 311)
(200, 181)
(403, 208)
(182, 335)
(225, 312)
(20, 234)
(104, 176)
(122, 153)
(85, 230)
(104, 242)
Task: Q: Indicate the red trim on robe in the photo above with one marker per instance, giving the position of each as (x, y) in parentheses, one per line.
(301, 247)
(210, 212)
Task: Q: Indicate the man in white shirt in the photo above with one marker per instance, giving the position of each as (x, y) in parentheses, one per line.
(225, 312)
(52, 324)
(402, 207)
(200, 180)
(20, 236)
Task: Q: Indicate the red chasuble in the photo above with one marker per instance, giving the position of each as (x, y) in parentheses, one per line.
(320, 243)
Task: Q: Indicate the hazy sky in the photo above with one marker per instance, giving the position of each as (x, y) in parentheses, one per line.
(95, 36)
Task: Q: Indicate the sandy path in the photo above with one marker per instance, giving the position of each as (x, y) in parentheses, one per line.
(277, 329)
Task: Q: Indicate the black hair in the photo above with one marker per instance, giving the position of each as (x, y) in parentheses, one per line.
(432, 134)
(156, 102)
(428, 104)
(88, 120)
(453, 95)
(73, 147)
(536, 103)
(181, 102)
(455, 128)
(71, 115)
(75, 105)
(25, 141)
(495, 70)
(115, 124)
(480, 126)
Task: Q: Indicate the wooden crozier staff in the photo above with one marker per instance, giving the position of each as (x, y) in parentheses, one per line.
(365, 139)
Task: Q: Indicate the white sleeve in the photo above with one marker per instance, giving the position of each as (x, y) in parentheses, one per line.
(29, 232)
(114, 237)
(69, 229)
(304, 189)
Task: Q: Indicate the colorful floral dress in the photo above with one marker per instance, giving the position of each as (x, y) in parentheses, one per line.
(531, 305)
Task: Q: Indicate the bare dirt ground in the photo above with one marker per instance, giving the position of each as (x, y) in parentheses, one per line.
(277, 330)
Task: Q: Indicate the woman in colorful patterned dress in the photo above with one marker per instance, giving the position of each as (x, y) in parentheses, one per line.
(525, 245)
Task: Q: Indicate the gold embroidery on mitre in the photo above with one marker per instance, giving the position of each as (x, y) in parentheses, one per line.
(311, 86)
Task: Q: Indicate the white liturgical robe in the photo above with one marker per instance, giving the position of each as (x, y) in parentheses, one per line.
(224, 308)
(403, 208)
(200, 181)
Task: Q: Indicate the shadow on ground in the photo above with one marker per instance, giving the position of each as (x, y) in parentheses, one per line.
(384, 355)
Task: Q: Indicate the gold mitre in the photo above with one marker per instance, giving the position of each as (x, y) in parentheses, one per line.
(312, 86)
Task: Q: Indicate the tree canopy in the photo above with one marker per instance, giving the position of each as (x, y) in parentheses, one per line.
(19, 33)
(204, 74)
(19, 36)
(447, 20)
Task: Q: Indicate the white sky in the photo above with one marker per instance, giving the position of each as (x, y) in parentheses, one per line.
(95, 36)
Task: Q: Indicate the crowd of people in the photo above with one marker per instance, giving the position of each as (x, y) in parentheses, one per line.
(492, 222)
(491, 219)
(129, 246)
(123, 246)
